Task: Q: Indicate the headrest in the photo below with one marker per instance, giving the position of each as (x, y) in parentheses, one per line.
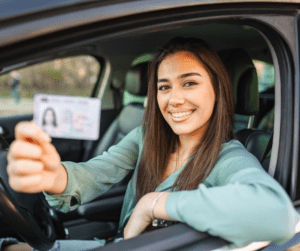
(255, 141)
(244, 79)
(136, 79)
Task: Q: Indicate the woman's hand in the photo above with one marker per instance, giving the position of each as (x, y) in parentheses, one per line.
(33, 162)
(141, 216)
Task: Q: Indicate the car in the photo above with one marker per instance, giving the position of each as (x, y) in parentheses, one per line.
(101, 49)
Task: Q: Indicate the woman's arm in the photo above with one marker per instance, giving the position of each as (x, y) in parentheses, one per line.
(239, 213)
(87, 180)
(141, 217)
(238, 201)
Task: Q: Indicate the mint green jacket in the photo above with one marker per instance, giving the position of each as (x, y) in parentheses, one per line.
(238, 201)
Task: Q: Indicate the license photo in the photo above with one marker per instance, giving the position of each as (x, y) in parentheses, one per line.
(68, 117)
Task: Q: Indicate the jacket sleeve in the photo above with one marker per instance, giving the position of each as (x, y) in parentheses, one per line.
(88, 180)
(238, 202)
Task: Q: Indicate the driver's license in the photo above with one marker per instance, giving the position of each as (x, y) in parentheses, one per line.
(68, 117)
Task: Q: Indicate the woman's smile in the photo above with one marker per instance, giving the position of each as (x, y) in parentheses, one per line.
(181, 116)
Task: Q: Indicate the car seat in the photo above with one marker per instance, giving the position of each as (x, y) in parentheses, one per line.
(246, 95)
(130, 115)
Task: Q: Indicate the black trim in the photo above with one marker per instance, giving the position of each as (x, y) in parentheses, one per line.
(99, 81)
(295, 178)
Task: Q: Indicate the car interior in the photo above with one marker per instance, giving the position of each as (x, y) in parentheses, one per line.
(121, 85)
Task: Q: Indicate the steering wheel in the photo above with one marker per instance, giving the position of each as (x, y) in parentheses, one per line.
(28, 214)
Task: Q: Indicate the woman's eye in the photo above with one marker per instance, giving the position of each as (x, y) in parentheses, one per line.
(188, 84)
(163, 88)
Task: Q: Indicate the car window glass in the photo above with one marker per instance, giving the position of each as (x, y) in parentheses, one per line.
(266, 80)
(72, 76)
(130, 98)
(265, 74)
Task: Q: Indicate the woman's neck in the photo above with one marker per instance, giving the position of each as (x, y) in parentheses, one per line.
(187, 145)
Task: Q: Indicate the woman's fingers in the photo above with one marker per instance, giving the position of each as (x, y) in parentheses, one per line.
(27, 184)
(25, 175)
(50, 156)
(28, 176)
(23, 149)
(25, 167)
(29, 131)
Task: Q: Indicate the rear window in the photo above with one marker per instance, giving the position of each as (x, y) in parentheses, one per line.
(72, 76)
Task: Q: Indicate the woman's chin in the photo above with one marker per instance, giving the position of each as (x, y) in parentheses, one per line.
(182, 131)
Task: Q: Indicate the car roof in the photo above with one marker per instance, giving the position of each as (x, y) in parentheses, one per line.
(22, 28)
(22, 20)
(13, 8)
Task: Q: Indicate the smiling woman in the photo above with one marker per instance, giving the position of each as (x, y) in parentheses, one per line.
(187, 165)
(189, 90)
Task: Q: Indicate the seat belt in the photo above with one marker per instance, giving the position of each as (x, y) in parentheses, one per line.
(117, 99)
(267, 150)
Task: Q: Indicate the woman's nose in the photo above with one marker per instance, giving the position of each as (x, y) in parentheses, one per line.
(177, 97)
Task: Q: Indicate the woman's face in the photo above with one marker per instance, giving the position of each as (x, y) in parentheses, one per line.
(185, 95)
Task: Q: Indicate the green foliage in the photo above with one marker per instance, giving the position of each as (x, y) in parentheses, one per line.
(67, 76)
(56, 75)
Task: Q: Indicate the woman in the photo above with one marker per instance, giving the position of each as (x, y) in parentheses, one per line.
(49, 120)
(188, 167)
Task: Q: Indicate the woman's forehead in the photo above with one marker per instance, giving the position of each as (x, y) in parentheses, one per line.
(180, 62)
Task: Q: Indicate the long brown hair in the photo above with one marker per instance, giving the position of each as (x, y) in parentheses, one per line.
(160, 140)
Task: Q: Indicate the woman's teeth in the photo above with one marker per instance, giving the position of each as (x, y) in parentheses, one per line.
(182, 114)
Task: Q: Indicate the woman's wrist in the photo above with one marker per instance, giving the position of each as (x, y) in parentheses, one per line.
(156, 209)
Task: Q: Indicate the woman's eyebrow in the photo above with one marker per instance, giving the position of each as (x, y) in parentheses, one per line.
(190, 74)
(185, 75)
(162, 80)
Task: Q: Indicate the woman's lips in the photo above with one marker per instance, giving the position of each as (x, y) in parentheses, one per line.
(179, 116)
